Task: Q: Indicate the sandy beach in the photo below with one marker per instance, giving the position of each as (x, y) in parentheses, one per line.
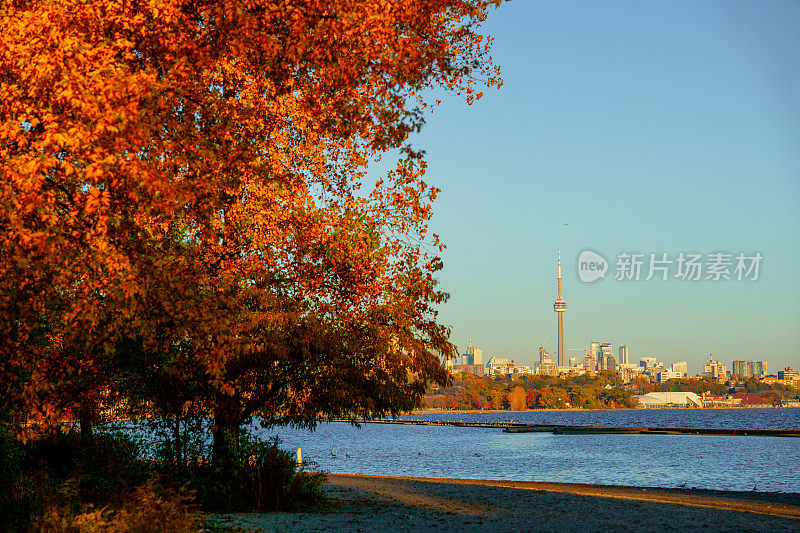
(376, 503)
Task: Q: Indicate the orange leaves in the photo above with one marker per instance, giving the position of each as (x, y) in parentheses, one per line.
(95, 200)
(192, 170)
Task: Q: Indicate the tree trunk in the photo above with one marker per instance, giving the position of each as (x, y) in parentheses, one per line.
(85, 416)
(227, 422)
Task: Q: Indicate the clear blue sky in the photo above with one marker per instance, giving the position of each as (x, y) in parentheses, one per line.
(666, 128)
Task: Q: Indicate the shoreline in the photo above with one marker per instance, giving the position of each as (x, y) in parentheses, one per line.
(385, 503)
(433, 411)
(786, 504)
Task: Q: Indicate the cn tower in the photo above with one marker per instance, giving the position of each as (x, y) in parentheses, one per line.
(559, 307)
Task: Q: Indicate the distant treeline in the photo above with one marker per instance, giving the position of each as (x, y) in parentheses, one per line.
(603, 390)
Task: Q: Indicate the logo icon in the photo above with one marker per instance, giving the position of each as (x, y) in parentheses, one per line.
(591, 266)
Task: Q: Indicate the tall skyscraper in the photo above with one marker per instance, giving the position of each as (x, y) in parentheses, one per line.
(606, 360)
(474, 355)
(594, 350)
(623, 354)
(559, 307)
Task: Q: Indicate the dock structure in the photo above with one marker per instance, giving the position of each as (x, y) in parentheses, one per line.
(557, 429)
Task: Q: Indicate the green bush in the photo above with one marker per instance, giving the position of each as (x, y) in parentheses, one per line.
(109, 470)
(18, 494)
(270, 481)
(57, 472)
(266, 478)
(55, 484)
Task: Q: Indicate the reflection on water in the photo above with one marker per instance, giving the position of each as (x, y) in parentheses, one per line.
(710, 462)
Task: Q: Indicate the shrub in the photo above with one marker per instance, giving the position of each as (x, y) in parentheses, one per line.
(151, 507)
(266, 478)
(110, 469)
(55, 472)
(270, 481)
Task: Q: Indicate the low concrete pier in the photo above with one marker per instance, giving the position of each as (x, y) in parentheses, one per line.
(591, 430)
(602, 430)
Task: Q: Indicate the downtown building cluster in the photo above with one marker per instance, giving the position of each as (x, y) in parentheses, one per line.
(599, 356)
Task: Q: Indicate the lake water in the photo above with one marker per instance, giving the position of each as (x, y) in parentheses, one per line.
(709, 462)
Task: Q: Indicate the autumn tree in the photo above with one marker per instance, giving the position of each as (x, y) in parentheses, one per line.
(192, 172)
(516, 399)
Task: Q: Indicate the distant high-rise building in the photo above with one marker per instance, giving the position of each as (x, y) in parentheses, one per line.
(623, 354)
(544, 356)
(594, 350)
(559, 307)
(590, 363)
(749, 369)
(605, 359)
(681, 367)
(474, 355)
(548, 368)
(648, 362)
(714, 369)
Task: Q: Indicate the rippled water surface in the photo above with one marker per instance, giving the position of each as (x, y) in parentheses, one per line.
(712, 462)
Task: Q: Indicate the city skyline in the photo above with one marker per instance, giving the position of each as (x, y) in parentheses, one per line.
(599, 351)
(647, 129)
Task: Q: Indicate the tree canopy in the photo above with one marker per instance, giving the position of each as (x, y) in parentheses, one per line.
(184, 180)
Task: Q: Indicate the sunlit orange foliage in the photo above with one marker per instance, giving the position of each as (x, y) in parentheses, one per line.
(516, 399)
(193, 170)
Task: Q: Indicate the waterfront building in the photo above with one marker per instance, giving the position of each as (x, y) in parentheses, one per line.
(681, 367)
(714, 369)
(663, 399)
(789, 375)
(748, 369)
(559, 307)
(710, 400)
(623, 354)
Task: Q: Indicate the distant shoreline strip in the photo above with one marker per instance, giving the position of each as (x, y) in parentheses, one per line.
(556, 429)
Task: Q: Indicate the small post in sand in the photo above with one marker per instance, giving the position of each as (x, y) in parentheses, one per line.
(299, 457)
